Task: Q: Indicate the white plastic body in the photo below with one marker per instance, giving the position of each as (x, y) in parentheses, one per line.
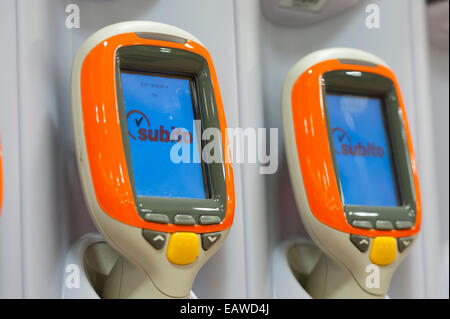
(336, 244)
(165, 280)
(295, 13)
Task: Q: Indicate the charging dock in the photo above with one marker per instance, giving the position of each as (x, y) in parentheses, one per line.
(88, 264)
(292, 263)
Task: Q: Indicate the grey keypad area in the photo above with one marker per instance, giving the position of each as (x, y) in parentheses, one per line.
(379, 219)
(156, 218)
(180, 219)
(209, 220)
(362, 224)
(184, 220)
(384, 225)
(403, 224)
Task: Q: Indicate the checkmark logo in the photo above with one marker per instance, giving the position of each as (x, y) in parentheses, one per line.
(138, 122)
(137, 116)
(340, 136)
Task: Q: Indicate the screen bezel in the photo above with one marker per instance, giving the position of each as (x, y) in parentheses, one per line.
(171, 62)
(349, 82)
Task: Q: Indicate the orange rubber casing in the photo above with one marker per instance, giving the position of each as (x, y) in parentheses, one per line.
(319, 178)
(103, 135)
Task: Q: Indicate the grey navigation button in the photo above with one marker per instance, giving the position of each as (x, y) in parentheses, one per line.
(209, 220)
(184, 220)
(210, 239)
(156, 218)
(403, 224)
(384, 225)
(403, 243)
(361, 242)
(155, 238)
(362, 224)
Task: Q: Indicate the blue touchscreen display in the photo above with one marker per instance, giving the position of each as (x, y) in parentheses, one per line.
(156, 107)
(362, 151)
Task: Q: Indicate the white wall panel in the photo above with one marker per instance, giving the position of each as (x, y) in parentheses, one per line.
(44, 132)
(10, 222)
(251, 111)
(439, 69)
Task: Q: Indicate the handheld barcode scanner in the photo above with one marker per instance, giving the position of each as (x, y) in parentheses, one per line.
(352, 168)
(137, 89)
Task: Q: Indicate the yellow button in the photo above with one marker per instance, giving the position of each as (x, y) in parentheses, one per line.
(183, 248)
(384, 251)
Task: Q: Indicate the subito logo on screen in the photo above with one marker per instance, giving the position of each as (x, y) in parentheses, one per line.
(344, 146)
(139, 129)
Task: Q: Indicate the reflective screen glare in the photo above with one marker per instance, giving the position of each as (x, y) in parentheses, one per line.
(362, 151)
(155, 106)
